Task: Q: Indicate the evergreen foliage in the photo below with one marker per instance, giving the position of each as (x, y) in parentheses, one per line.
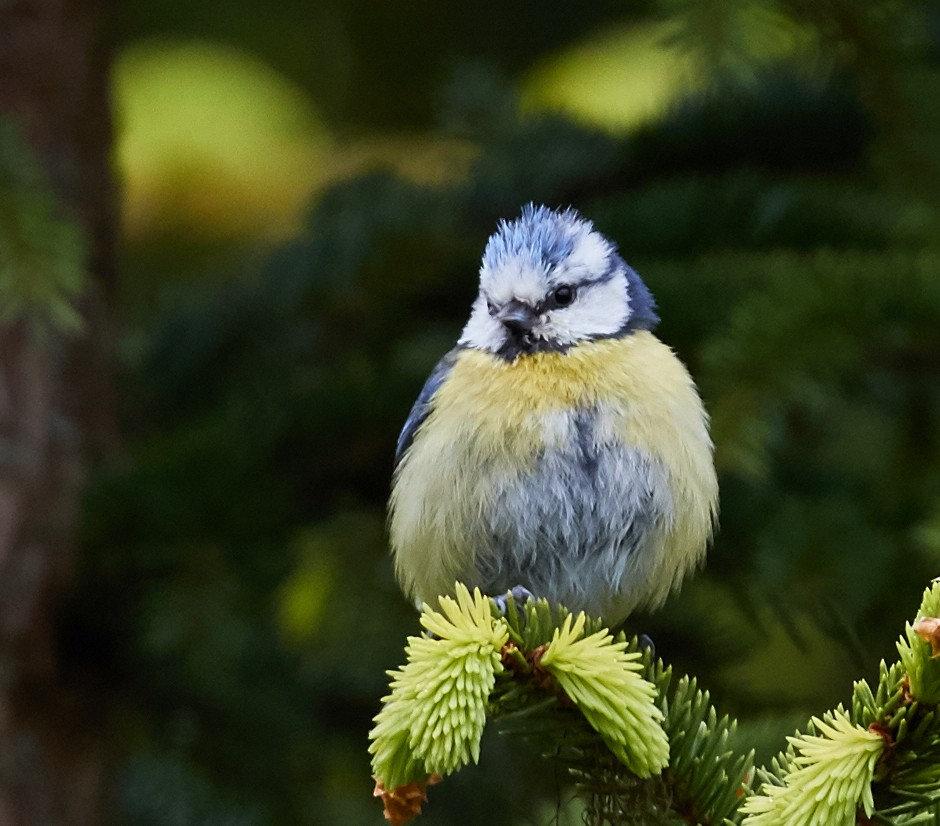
(433, 720)
(42, 250)
(601, 680)
(672, 758)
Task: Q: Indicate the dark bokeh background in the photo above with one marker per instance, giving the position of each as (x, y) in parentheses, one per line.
(308, 188)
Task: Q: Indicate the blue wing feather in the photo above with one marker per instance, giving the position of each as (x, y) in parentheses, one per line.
(422, 406)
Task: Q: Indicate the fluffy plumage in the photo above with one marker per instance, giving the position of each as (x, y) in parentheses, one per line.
(560, 446)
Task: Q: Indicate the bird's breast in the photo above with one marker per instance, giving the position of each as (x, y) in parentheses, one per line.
(633, 388)
(553, 437)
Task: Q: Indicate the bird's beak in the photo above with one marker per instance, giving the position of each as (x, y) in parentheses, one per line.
(517, 317)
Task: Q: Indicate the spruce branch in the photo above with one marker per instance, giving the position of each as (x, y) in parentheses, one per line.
(595, 703)
(826, 777)
(640, 746)
(432, 721)
(707, 778)
(918, 649)
(42, 248)
(878, 762)
(604, 682)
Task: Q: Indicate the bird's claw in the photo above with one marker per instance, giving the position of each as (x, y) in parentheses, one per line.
(519, 594)
(646, 644)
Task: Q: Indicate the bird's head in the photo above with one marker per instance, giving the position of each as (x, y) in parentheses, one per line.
(549, 281)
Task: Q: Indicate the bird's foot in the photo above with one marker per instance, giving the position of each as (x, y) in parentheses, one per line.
(647, 645)
(519, 594)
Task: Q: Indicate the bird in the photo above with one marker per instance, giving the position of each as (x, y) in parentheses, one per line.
(560, 447)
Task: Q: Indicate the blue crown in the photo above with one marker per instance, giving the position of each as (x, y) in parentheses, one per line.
(540, 236)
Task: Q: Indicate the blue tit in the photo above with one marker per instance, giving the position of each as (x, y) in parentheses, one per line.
(560, 445)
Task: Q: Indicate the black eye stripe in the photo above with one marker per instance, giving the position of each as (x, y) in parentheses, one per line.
(560, 297)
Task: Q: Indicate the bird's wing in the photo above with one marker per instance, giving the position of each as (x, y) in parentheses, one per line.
(422, 406)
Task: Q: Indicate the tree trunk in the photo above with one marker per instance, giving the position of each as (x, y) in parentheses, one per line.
(55, 411)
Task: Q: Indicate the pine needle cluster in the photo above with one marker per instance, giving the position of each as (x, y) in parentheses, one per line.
(879, 761)
(827, 777)
(433, 720)
(605, 682)
(639, 746)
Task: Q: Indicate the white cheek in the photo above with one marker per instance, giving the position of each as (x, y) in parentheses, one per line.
(600, 310)
(483, 332)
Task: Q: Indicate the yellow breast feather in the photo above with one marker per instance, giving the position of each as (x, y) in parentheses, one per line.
(490, 420)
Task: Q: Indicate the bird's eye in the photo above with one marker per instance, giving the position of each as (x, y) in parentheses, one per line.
(562, 296)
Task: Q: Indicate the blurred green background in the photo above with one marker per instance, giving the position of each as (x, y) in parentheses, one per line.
(307, 191)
